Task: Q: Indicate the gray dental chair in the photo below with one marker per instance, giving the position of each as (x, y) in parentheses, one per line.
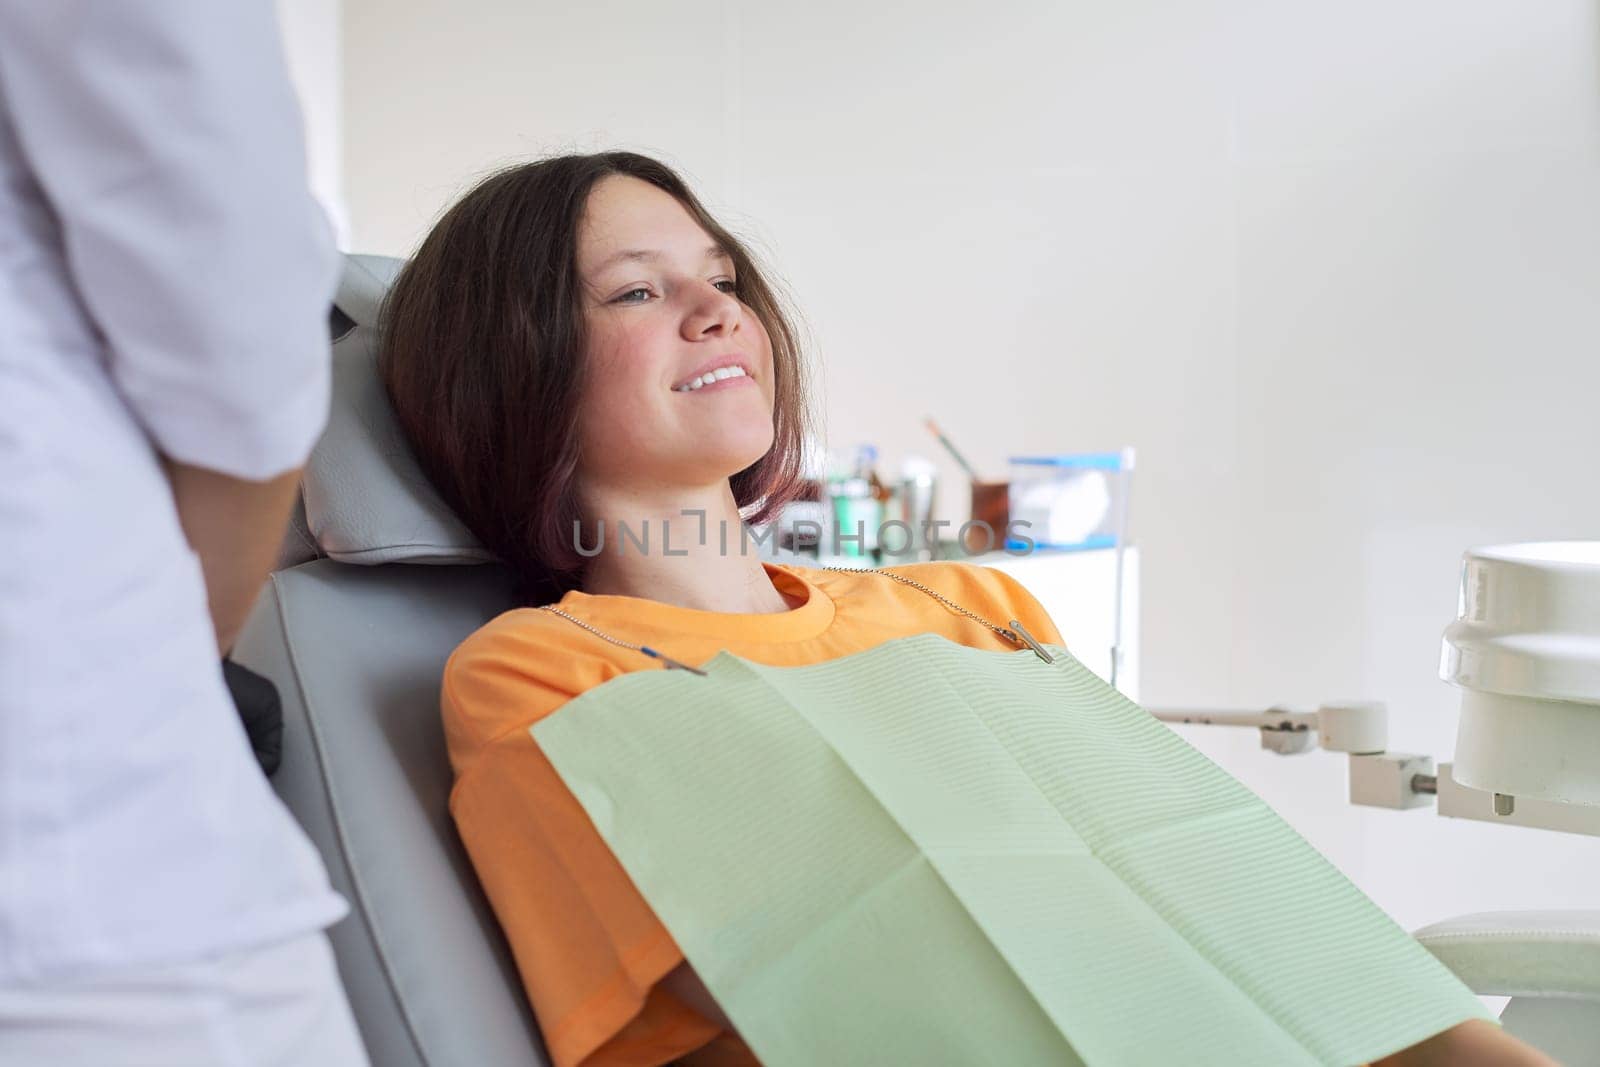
(384, 583)
(377, 583)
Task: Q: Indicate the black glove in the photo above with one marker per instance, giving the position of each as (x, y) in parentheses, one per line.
(261, 712)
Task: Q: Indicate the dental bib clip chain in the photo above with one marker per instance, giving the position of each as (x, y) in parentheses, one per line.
(1017, 634)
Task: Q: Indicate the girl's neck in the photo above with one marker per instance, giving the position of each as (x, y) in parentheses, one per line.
(659, 546)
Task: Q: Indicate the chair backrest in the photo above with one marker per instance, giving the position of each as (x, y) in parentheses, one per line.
(377, 585)
(357, 653)
(356, 642)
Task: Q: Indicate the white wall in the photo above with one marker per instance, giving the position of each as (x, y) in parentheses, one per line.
(1334, 269)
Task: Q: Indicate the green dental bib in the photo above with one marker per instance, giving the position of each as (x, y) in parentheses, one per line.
(931, 854)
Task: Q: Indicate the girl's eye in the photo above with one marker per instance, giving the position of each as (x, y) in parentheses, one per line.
(627, 297)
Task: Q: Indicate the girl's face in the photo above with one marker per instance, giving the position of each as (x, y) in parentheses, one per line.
(661, 313)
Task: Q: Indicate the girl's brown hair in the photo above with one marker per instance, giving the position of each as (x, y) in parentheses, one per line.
(481, 349)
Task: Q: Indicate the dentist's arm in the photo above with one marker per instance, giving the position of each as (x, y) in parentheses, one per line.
(236, 527)
(167, 138)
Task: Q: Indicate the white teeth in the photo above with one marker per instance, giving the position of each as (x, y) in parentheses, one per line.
(711, 376)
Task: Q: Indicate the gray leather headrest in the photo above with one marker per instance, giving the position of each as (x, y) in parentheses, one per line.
(366, 500)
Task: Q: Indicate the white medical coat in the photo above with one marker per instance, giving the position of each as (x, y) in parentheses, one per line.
(164, 283)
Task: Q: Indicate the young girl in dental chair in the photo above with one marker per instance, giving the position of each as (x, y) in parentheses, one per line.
(578, 345)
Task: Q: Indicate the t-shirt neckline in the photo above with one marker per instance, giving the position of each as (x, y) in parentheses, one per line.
(616, 613)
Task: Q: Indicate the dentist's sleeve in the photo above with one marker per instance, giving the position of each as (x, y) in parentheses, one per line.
(168, 141)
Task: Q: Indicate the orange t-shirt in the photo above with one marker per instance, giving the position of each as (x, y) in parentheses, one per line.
(589, 949)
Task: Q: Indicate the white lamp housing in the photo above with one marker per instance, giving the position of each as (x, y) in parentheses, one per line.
(1525, 650)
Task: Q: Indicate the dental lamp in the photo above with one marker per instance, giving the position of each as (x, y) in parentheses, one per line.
(1525, 652)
